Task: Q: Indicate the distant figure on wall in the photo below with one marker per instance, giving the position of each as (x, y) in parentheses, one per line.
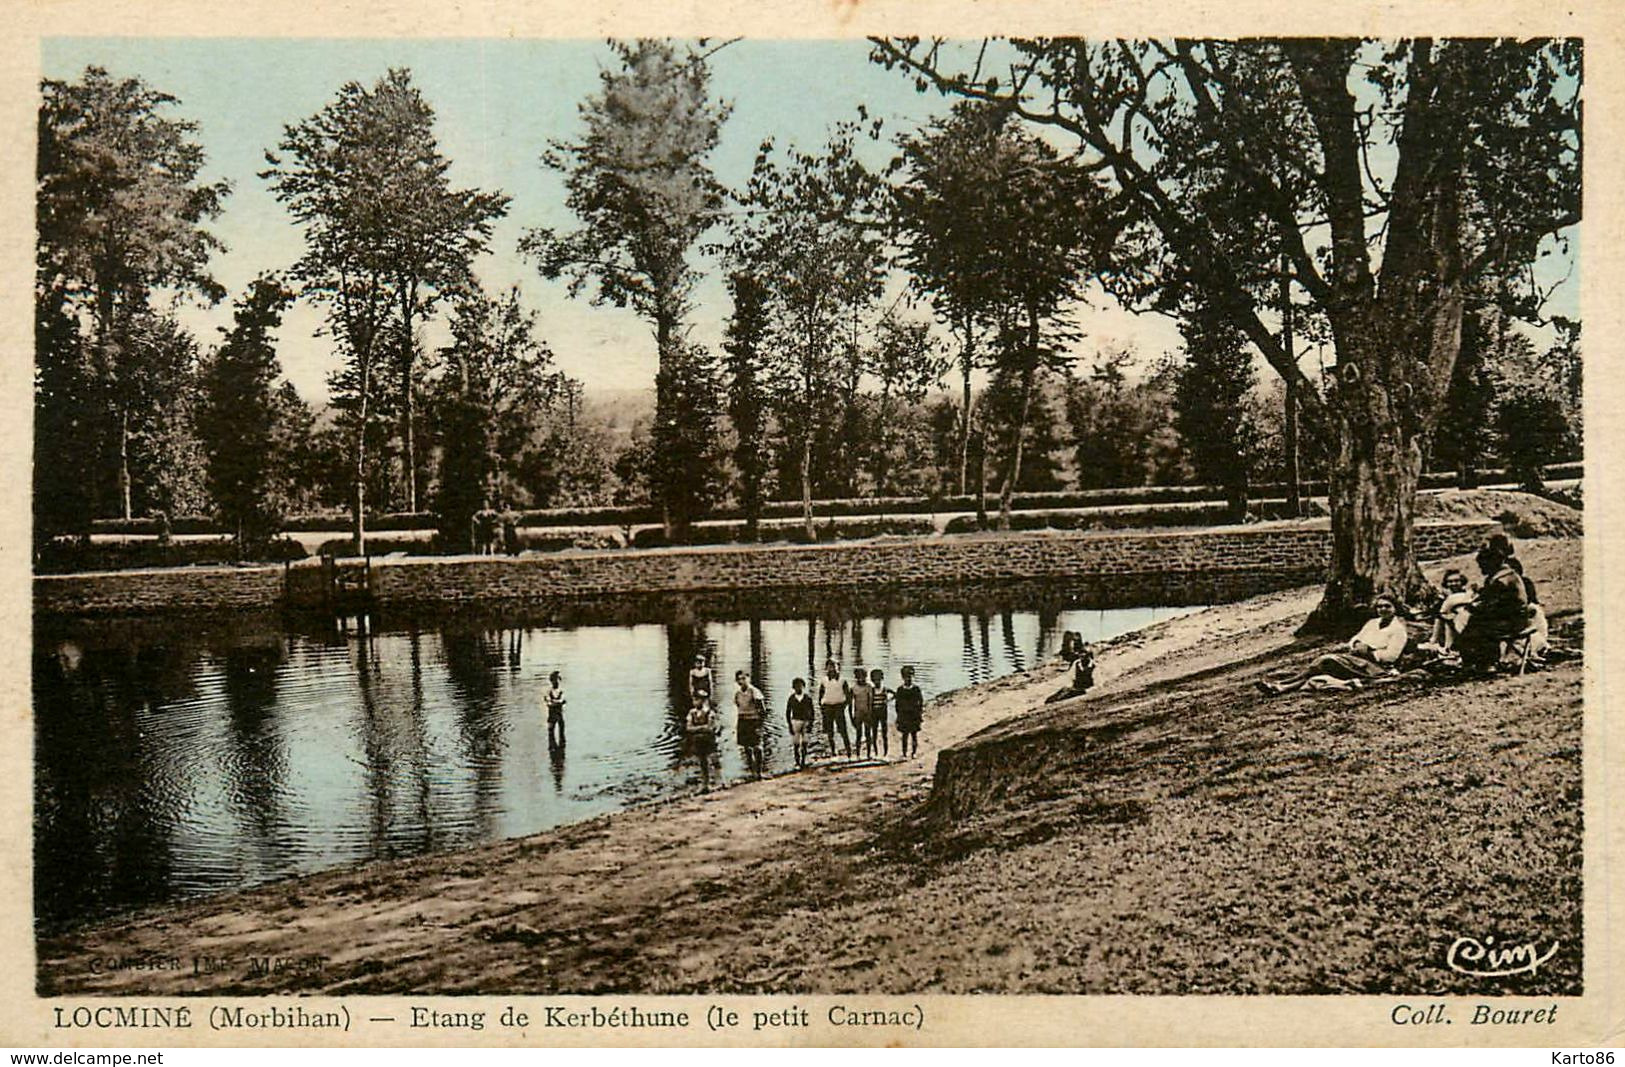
(510, 532)
(485, 531)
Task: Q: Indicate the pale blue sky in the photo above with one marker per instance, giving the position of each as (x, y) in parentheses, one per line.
(498, 103)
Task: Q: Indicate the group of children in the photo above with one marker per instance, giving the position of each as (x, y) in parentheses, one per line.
(864, 702)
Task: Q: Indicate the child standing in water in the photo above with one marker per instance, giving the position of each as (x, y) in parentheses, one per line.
(833, 694)
(700, 730)
(799, 711)
(882, 694)
(749, 704)
(910, 712)
(863, 712)
(555, 709)
(699, 676)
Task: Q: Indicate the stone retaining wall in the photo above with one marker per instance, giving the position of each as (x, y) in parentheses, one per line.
(1286, 550)
(166, 589)
(1282, 552)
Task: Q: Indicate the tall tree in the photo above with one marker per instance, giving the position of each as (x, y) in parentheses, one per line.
(120, 207)
(240, 420)
(1043, 228)
(905, 361)
(939, 210)
(385, 236)
(640, 183)
(1211, 409)
(1222, 153)
(812, 224)
(745, 344)
(496, 377)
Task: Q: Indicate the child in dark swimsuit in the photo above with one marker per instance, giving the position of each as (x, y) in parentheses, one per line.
(882, 694)
(799, 711)
(910, 712)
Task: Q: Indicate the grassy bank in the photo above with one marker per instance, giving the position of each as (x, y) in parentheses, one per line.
(1173, 832)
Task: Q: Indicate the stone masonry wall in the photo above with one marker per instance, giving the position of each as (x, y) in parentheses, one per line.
(167, 589)
(1287, 550)
(1283, 550)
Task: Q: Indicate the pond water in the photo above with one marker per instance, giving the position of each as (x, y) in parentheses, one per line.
(175, 760)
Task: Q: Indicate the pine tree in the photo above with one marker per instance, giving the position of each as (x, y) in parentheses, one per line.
(241, 424)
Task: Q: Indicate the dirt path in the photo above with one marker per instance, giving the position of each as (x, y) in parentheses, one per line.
(813, 880)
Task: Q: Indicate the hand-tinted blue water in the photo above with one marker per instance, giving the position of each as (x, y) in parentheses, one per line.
(169, 767)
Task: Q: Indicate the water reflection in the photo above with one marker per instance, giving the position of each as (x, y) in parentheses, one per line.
(172, 763)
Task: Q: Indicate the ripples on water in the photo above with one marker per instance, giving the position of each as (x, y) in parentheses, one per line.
(172, 765)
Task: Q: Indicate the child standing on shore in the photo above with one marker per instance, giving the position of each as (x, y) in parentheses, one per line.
(910, 712)
(749, 703)
(863, 712)
(799, 711)
(882, 694)
(555, 709)
(833, 696)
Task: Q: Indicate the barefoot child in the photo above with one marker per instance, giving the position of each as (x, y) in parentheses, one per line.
(833, 696)
(799, 711)
(555, 709)
(863, 712)
(882, 695)
(910, 712)
(749, 703)
(701, 731)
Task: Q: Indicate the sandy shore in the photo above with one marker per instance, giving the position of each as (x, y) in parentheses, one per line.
(841, 877)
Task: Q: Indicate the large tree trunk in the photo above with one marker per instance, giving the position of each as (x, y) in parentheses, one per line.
(964, 419)
(1373, 496)
(124, 493)
(806, 483)
(358, 468)
(1388, 399)
(673, 521)
(409, 400)
(408, 443)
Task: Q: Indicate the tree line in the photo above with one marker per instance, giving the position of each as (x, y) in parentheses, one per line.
(1229, 185)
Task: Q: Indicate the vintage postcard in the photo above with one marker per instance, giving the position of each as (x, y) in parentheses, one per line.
(814, 525)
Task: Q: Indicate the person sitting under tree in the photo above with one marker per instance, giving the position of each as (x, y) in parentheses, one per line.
(1371, 653)
(1500, 611)
(1454, 611)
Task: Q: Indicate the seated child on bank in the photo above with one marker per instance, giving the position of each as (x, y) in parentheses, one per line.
(1082, 677)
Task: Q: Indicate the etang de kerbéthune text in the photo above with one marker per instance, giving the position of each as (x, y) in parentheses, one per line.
(297, 1016)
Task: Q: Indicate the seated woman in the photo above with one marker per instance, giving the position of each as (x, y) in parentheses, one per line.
(1454, 611)
(1500, 611)
(1372, 653)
